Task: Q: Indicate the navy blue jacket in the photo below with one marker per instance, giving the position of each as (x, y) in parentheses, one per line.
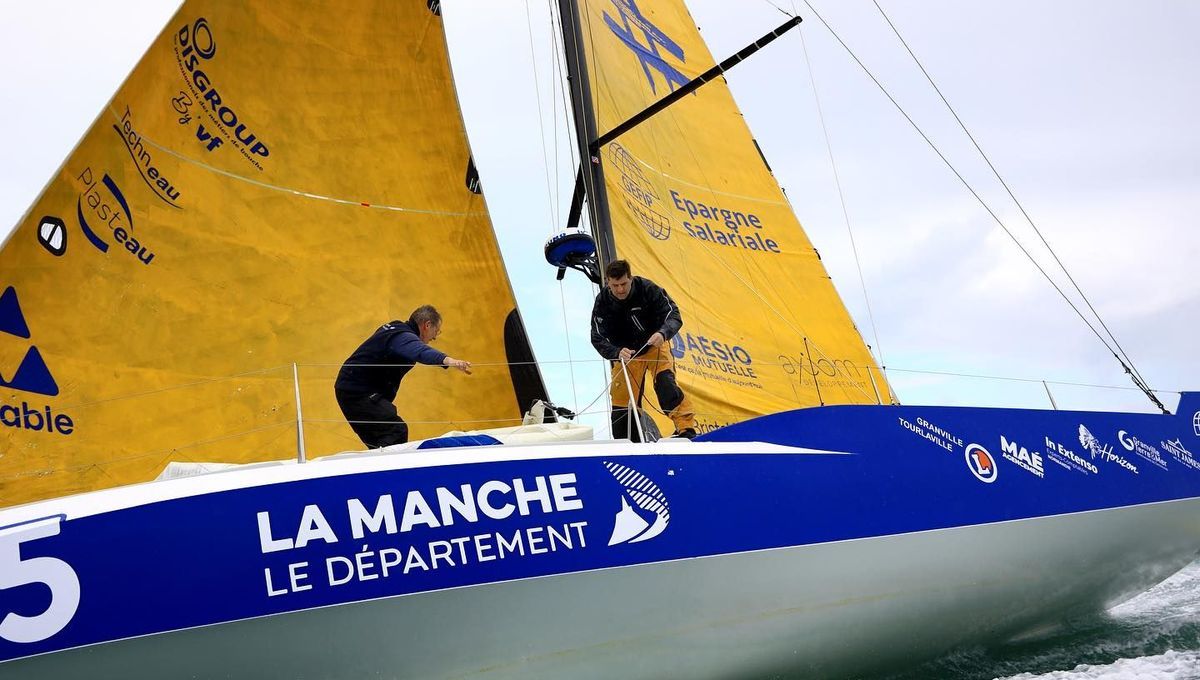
(397, 343)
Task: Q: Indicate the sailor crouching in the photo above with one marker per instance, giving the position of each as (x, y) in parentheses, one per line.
(632, 320)
(369, 379)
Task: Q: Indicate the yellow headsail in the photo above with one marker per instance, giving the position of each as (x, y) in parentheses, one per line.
(695, 208)
(272, 182)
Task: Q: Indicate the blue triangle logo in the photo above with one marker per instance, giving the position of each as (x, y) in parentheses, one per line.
(33, 375)
(12, 321)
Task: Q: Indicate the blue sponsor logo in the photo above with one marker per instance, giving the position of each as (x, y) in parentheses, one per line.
(162, 187)
(103, 205)
(31, 375)
(631, 23)
(640, 196)
(683, 343)
(723, 226)
(714, 359)
(195, 46)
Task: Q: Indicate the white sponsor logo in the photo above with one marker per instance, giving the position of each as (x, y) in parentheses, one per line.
(449, 509)
(1180, 452)
(632, 526)
(934, 434)
(1103, 451)
(1030, 461)
(1141, 448)
(1067, 458)
(1196, 423)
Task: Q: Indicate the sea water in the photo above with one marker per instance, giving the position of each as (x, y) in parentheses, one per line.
(1155, 636)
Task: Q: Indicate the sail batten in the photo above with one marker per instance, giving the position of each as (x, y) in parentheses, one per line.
(695, 207)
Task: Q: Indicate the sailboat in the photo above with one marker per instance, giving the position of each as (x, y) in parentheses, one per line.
(225, 222)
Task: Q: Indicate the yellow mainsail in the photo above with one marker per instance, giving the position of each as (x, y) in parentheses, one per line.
(272, 182)
(695, 208)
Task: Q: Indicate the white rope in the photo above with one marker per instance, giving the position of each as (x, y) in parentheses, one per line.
(633, 408)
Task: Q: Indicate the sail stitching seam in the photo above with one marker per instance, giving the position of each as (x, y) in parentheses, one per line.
(297, 192)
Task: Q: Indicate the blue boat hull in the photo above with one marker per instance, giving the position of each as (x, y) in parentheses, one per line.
(864, 531)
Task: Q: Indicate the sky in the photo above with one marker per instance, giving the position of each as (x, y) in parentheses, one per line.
(1088, 110)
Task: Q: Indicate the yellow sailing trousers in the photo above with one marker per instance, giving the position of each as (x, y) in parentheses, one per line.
(657, 367)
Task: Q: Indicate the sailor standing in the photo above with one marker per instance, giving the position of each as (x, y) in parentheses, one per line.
(368, 381)
(632, 320)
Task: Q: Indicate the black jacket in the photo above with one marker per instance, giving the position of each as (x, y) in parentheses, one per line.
(395, 342)
(630, 322)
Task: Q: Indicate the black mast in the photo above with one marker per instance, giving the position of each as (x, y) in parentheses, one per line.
(590, 171)
(589, 183)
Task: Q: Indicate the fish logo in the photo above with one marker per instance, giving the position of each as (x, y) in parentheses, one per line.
(631, 28)
(645, 512)
(981, 464)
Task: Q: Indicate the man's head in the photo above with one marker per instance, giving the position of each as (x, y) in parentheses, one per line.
(427, 321)
(617, 276)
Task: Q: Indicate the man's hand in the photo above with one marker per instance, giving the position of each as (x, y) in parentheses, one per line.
(626, 354)
(656, 340)
(464, 366)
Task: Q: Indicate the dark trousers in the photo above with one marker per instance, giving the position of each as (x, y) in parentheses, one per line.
(373, 418)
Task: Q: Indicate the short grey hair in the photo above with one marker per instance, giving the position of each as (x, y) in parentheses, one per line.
(425, 313)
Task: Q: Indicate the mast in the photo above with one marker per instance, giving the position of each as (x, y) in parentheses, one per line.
(589, 182)
(590, 171)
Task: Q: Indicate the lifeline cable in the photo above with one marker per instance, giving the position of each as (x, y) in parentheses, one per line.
(987, 208)
(1130, 368)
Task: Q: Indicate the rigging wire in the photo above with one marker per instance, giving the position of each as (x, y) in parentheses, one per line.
(146, 454)
(1025, 380)
(297, 192)
(581, 58)
(782, 10)
(585, 411)
(842, 199)
(541, 120)
(555, 75)
(559, 57)
(986, 207)
(748, 285)
(562, 296)
(1130, 368)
